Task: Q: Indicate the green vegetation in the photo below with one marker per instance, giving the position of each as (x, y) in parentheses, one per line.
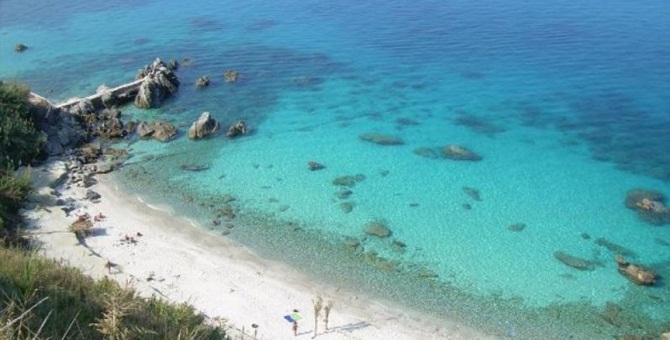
(20, 141)
(44, 299)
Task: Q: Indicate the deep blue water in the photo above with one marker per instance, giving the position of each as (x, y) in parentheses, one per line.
(567, 102)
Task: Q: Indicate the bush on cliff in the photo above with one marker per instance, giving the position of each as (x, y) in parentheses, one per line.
(19, 139)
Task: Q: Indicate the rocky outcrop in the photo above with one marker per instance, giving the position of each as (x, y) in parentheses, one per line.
(460, 153)
(202, 82)
(237, 129)
(650, 206)
(635, 272)
(203, 127)
(60, 128)
(162, 131)
(159, 83)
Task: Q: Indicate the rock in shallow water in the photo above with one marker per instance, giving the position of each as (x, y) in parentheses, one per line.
(575, 262)
(381, 139)
(377, 229)
(459, 153)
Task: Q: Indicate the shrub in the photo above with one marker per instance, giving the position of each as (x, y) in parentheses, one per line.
(20, 141)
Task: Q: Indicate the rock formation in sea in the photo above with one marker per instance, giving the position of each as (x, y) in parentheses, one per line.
(203, 127)
(237, 129)
(650, 206)
(159, 83)
(636, 273)
(162, 131)
(202, 82)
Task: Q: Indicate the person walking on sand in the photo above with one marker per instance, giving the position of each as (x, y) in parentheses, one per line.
(295, 328)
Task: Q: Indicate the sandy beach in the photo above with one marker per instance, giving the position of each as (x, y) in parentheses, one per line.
(158, 253)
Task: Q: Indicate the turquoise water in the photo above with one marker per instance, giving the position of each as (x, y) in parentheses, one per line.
(568, 103)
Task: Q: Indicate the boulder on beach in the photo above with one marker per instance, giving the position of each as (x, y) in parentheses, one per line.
(650, 206)
(459, 153)
(203, 127)
(381, 139)
(159, 83)
(376, 228)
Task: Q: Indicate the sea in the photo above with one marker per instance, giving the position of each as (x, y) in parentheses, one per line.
(566, 103)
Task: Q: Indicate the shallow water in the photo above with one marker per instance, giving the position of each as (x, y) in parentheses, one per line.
(567, 103)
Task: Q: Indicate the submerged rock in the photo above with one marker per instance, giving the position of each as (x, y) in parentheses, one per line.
(615, 248)
(381, 139)
(231, 76)
(346, 207)
(348, 180)
(650, 206)
(472, 192)
(314, 166)
(575, 262)
(427, 152)
(517, 227)
(459, 153)
(376, 228)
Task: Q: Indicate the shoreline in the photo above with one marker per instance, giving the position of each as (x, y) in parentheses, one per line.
(158, 253)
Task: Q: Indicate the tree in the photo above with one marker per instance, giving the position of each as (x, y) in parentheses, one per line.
(326, 312)
(318, 305)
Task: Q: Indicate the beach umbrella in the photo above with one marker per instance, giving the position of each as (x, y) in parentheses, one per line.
(292, 317)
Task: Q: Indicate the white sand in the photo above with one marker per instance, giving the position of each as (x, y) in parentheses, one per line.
(216, 276)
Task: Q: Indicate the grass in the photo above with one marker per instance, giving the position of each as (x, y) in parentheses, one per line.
(44, 299)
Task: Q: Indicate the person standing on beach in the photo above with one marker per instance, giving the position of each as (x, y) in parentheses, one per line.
(295, 328)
